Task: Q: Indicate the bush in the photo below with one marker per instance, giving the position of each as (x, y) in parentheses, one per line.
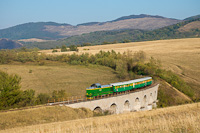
(7, 56)
(59, 94)
(63, 48)
(121, 69)
(73, 48)
(54, 50)
(42, 98)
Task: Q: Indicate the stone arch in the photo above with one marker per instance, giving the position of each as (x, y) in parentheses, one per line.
(113, 109)
(98, 110)
(137, 101)
(151, 98)
(144, 101)
(137, 104)
(126, 106)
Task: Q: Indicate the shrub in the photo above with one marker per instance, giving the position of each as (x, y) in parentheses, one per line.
(42, 98)
(73, 48)
(121, 69)
(54, 50)
(63, 48)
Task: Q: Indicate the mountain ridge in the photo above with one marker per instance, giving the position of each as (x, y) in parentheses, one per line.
(184, 29)
(52, 30)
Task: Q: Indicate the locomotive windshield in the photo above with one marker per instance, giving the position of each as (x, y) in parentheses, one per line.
(97, 85)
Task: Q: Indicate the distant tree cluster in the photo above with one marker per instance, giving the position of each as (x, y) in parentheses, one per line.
(64, 48)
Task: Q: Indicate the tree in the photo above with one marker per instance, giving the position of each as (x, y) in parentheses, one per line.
(63, 48)
(10, 93)
(73, 48)
(121, 69)
(42, 98)
(59, 94)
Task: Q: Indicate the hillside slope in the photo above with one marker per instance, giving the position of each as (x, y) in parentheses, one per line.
(146, 23)
(51, 30)
(60, 76)
(186, 29)
(184, 118)
(30, 30)
(178, 55)
(193, 17)
(9, 44)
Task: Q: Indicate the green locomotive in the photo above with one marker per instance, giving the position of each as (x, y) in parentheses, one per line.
(99, 90)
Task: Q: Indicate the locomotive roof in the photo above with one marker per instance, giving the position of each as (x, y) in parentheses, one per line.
(131, 81)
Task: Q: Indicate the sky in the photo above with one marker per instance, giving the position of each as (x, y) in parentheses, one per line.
(14, 12)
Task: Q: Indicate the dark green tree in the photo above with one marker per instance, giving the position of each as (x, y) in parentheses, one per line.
(10, 93)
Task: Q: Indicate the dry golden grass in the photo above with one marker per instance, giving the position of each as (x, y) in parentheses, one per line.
(184, 118)
(182, 56)
(33, 40)
(72, 78)
(41, 115)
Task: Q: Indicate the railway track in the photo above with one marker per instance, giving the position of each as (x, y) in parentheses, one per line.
(77, 99)
(73, 100)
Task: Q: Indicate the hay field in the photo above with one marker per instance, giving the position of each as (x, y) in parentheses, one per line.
(72, 78)
(41, 115)
(184, 118)
(182, 56)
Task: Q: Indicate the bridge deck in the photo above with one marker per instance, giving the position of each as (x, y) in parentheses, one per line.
(73, 100)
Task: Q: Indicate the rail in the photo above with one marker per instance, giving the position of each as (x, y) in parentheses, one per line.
(76, 99)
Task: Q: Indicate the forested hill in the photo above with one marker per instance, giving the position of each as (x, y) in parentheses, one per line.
(51, 30)
(31, 30)
(193, 17)
(9, 44)
(185, 29)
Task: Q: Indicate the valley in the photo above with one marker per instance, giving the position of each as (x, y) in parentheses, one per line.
(178, 55)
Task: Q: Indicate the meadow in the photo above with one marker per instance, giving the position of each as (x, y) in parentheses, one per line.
(74, 79)
(181, 56)
(41, 115)
(183, 118)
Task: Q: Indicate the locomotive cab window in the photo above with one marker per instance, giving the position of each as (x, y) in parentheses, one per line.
(97, 85)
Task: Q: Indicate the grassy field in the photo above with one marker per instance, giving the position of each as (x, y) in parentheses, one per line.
(56, 76)
(41, 115)
(184, 118)
(182, 56)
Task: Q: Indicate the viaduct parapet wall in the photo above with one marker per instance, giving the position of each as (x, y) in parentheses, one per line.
(140, 100)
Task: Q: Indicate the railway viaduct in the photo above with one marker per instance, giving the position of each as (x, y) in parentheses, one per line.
(143, 99)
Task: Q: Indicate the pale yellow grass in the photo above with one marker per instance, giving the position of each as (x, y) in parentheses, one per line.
(33, 40)
(184, 118)
(72, 78)
(40, 115)
(182, 56)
